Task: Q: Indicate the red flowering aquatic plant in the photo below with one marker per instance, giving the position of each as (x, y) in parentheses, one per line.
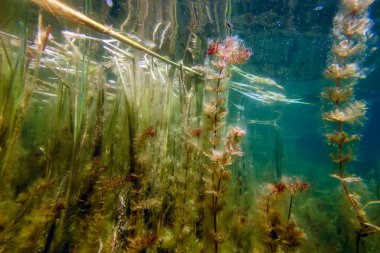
(212, 48)
(278, 188)
(230, 51)
(275, 189)
(220, 54)
(279, 233)
(293, 186)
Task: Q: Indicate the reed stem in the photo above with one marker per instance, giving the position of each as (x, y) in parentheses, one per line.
(61, 9)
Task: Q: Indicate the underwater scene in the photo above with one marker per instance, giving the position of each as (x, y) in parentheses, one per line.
(166, 126)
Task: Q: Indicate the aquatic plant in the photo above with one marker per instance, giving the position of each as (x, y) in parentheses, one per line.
(124, 150)
(57, 8)
(97, 146)
(351, 32)
(260, 89)
(295, 187)
(222, 54)
(23, 99)
(279, 231)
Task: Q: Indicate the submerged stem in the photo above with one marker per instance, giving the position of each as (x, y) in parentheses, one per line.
(61, 9)
(290, 206)
(215, 198)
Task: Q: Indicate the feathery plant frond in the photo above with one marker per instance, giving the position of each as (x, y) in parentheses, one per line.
(351, 32)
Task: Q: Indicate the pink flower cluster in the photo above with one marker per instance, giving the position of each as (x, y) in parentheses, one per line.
(229, 51)
(293, 185)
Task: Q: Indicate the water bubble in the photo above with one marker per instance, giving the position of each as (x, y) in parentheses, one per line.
(319, 7)
(109, 3)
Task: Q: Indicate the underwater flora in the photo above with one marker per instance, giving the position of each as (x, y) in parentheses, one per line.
(356, 6)
(351, 113)
(276, 189)
(342, 137)
(346, 48)
(222, 54)
(102, 192)
(292, 185)
(220, 160)
(29, 83)
(347, 71)
(337, 94)
(295, 187)
(231, 51)
(140, 200)
(233, 141)
(212, 48)
(279, 231)
(140, 243)
(355, 27)
(351, 32)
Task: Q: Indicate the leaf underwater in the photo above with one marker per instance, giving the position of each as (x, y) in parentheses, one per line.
(346, 49)
(342, 137)
(369, 229)
(343, 159)
(371, 203)
(357, 6)
(346, 179)
(351, 27)
(351, 113)
(351, 30)
(336, 94)
(335, 71)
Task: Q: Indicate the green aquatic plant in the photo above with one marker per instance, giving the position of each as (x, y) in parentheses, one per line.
(109, 132)
(23, 96)
(142, 199)
(351, 32)
(37, 200)
(187, 191)
(78, 172)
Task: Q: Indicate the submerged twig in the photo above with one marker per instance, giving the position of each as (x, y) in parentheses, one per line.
(58, 8)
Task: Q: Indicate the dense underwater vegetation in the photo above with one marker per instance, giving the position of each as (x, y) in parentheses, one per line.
(189, 126)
